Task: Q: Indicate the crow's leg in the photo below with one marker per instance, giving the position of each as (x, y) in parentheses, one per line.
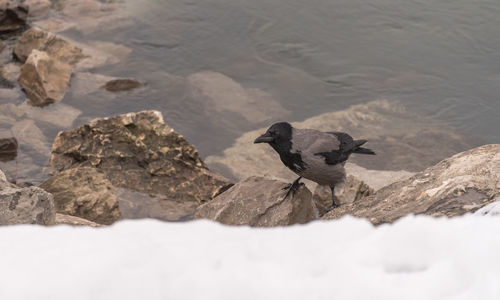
(333, 198)
(292, 187)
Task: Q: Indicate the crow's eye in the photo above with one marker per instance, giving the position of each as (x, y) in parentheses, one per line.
(272, 132)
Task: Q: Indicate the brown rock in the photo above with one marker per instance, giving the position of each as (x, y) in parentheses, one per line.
(121, 84)
(462, 183)
(55, 47)
(74, 221)
(261, 202)
(8, 146)
(12, 16)
(348, 192)
(84, 193)
(140, 152)
(44, 79)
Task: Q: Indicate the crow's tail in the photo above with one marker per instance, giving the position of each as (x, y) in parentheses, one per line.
(360, 150)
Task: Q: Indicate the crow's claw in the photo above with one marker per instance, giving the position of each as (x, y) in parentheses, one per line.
(293, 187)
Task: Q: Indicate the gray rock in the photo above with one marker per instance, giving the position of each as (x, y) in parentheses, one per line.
(84, 193)
(138, 151)
(30, 205)
(462, 183)
(62, 219)
(348, 192)
(44, 79)
(261, 202)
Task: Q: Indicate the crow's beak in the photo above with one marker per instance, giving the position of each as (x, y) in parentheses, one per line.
(265, 138)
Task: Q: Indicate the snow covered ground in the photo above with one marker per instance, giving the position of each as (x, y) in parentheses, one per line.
(416, 258)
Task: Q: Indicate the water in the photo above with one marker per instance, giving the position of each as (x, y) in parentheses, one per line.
(439, 58)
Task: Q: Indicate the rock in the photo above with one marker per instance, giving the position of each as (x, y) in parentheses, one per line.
(121, 84)
(462, 183)
(376, 179)
(28, 134)
(55, 47)
(10, 94)
(348, 192)
(44, 79)
(84, 193)
(58, 114)
(12, 16)
(30, 205)
(98, 54)
(261, 202)
(10, 71)
(84, 83)
(74, 221)
(138, 151)
(215, 91)
(4, 183)
(8, 146)
(38, 9)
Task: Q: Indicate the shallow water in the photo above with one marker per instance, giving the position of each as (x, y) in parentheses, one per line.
(438, 58)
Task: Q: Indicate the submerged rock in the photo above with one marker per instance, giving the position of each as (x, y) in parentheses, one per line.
(121, 84)
(8, 146)
(44, 79)
(38, 8)
(462, 183)
(84, 193)
(138, 151)
(215, 91)
(30, 205)
(261, 202)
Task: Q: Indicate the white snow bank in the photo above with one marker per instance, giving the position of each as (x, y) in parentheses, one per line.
(416, 258)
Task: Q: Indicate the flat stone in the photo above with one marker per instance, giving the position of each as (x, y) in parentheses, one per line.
(62, 219)
(259, 202)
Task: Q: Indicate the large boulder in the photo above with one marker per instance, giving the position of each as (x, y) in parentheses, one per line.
(84, 193)
(139, 152)
(462, 183)
(30, 205)
(259, 201)
(44, 79)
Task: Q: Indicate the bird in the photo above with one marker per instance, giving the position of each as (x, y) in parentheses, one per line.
(312, 154)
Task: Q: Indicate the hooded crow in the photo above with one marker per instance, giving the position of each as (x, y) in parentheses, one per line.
(312, 154)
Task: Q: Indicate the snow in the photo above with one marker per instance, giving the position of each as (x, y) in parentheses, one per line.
(415, 258)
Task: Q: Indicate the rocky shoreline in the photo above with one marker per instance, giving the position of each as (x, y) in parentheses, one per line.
(135, 165)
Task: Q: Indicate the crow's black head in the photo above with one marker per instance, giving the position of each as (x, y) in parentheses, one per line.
(279, 133)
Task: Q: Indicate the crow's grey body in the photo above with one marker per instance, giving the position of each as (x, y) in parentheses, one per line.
(312, 154)
(308, 143)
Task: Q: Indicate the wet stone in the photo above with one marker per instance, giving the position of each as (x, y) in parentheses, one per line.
(118, 85)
